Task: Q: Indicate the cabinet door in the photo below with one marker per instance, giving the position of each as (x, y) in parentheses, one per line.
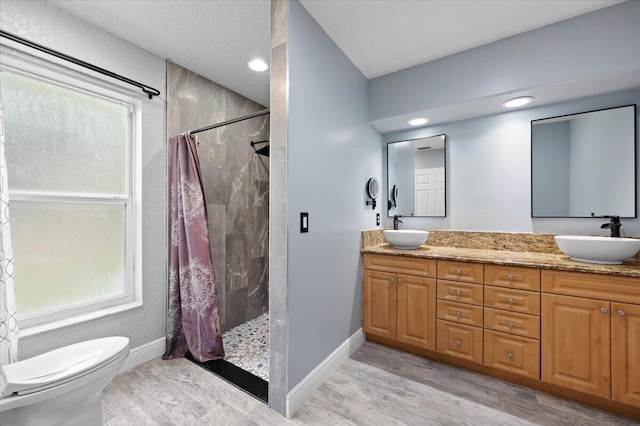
(379, 303)
(417, 311)
(576, 343)
(625, 353)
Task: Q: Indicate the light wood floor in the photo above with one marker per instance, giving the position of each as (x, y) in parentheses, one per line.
(376, 386)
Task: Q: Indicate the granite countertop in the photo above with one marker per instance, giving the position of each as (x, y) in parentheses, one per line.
(630, 268)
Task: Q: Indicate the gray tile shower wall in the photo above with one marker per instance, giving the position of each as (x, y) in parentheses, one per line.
(236, 188)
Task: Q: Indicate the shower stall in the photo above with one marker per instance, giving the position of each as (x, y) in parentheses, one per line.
(232, 136)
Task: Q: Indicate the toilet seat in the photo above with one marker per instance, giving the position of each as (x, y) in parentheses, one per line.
(60, 365)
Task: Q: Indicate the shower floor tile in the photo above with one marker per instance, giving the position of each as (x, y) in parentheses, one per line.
(247, 346)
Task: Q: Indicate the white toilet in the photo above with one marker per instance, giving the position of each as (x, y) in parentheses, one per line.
(61, 387)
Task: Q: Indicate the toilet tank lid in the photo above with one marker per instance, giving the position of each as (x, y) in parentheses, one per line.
(60, 364)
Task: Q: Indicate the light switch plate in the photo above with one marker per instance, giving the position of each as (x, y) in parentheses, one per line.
(304, 222)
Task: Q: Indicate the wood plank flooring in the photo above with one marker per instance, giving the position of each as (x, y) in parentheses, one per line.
(376, 386)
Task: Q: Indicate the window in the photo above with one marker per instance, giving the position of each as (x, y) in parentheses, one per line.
(70, 156)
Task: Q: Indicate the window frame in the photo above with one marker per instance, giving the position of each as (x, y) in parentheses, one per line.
(51, 73)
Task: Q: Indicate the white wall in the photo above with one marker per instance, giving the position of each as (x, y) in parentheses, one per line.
(489, 171)
(332, 153)
(42, 23)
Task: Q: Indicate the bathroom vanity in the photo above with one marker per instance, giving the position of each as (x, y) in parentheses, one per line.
(519, 311)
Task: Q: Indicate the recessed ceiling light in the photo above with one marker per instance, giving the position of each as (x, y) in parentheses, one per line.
(517, 102)
(258, 65)
(418, 121)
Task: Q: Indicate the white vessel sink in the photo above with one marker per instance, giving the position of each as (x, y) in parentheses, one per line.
(605, 250)
(406, 239)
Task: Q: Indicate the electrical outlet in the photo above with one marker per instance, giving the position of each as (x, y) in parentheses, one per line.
(377, 219)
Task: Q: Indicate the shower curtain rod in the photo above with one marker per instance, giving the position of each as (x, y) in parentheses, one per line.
(235, 120)
(150, 91)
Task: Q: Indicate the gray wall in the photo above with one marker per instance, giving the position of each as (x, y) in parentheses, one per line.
(332, 152)
(236, 188)
(489, 171)
(551, 169)
(45, 24)
(588, 47)
(488, 158)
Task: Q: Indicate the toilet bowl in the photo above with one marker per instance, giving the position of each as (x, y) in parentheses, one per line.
(61, 387)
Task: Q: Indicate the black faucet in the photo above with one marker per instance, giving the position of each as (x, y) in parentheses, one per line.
(396, 221)
(614, 224)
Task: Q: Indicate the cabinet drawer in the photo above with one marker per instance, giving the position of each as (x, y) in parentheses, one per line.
(526, 302)
(461, 341)
(593, 286)
(512, 323)
(400, 265)
(460, 313)
(512, 277)
(460, 271)
(460, 292)
(517, 355)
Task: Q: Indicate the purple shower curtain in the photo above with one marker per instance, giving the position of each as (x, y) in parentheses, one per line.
(193, 323)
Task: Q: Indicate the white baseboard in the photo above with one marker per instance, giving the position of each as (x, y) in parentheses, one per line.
(321, 373)
(144, 353)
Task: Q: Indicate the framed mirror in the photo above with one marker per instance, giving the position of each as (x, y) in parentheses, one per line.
(372, 192)
(416, 177)
(372, 188)
(584, 164)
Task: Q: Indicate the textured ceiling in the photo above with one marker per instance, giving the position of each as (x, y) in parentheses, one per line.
(217, 38)
(381, 37)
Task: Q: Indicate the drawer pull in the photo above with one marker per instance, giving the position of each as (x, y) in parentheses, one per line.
(458, 272)
(399, 280)
(510, 277)
(391, 279)
(604, 310)
(510, 355)
(621, 313)
(458, 314)
(458, 292)
(510, 323)
(511, 301)
(458, 342)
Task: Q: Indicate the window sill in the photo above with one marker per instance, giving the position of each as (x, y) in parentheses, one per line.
(78, 319)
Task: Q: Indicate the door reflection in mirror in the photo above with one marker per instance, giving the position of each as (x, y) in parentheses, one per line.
(417, 166)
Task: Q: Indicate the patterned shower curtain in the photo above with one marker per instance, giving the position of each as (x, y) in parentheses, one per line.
(193, 323)
(8, 317)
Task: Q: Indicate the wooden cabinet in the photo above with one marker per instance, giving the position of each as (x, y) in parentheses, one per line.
(416, 309)
(512, 320)
(512, 277)
(461, 341)
(574, 331)
(592, 343)
(526, 302)
(514, 354)
(460, 317)
(399, 306)
(576, 343)
(379, 304)
(625, 353)
(460, 271)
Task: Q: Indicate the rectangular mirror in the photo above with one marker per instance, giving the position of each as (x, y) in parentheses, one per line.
(416, 184)
(584, 163)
